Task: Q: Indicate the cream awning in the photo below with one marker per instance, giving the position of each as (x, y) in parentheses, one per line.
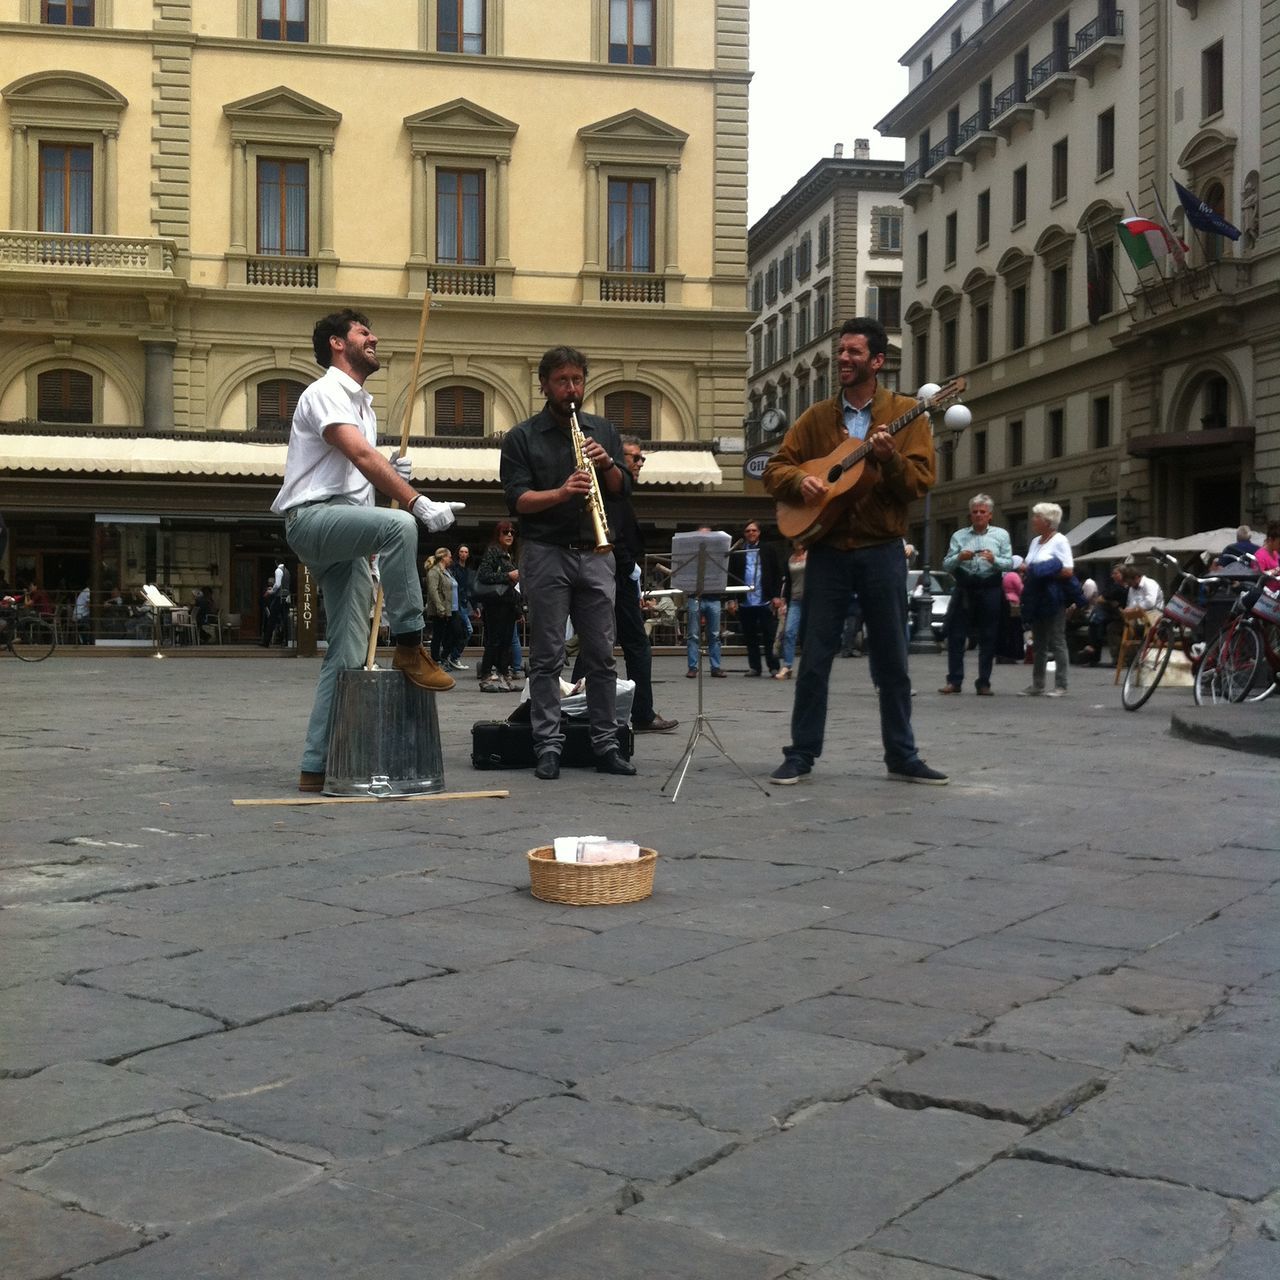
(155, 455)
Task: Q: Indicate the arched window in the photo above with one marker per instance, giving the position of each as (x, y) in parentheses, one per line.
(1215, 404)
(631, 412)
(277, 399)
(459, 412)
(64, 395)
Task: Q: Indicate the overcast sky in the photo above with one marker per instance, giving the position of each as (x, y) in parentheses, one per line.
(824, 72)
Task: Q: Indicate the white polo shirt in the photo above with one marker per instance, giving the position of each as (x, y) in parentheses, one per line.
(313, 468)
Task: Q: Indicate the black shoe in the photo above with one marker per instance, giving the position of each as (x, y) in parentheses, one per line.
(612, 762)
(788, 773)
(548, 767)
(717, 674)
(752, 673)
(918, 771)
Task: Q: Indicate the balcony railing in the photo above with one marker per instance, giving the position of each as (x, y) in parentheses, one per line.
(283, 273)
(944, 151)
(1008, 98)
(974, 125)
(101, 253)
(1100, 28)
(467, 282)
(1051, 74)
(632, 287)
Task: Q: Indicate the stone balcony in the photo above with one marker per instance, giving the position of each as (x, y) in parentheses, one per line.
(109, 255)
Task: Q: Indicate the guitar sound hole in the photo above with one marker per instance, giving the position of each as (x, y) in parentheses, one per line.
(834, 474)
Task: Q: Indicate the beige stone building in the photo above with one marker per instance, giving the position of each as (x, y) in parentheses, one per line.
(831, 248)
(191, 183)
(1032, 128)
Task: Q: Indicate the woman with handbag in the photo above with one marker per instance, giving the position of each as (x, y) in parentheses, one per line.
(495, 591)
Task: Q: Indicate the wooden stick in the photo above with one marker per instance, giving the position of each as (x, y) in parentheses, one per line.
(404, 448)
(439, 795)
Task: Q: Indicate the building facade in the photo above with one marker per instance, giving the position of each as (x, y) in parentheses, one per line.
(830, 249)
(1032, 128)
(193, 182)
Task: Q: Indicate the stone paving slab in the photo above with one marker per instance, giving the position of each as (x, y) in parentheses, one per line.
(937, 985)
(579, 1035)
(1082, 1031)
(1216, 1135)
(235, 925)
(268, 1054)
(918, 922)
(446, 1208)
(46, 1023)
(862, 1264)
(900, 1026)
(178, 1174)
(1240, 1041)
(402, 894)
(1099, 926)
(1024, 1088)
(634, 949)
(83, 951)
(1252, 1260)
(264, 979)
(42, 1238)
(621, 1248)
(77, 1097)
(788, 1070)
(1141, 992)
(864, 1164)
(1043, 957)
(650, 1145)
(1207, 954)
(774, 971)
(484, 997)
(390, 1103)
(1100, 1228)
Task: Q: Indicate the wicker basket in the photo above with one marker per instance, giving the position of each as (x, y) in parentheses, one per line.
(587, 884)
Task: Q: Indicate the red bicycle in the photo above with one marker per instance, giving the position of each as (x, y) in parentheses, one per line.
(1243, 663)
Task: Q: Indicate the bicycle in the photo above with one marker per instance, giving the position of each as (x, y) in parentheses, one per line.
(26, 635)
(1243, 663)
(1175, 628)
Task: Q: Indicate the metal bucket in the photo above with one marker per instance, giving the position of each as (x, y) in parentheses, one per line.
(384, 737)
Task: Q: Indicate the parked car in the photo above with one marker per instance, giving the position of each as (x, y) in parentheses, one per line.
(941, 585)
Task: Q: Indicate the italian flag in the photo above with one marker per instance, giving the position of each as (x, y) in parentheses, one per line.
(1146, 242)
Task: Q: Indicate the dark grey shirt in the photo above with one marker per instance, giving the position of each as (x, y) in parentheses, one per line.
(538, 454)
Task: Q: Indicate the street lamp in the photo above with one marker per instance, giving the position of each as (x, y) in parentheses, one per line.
(956, 419)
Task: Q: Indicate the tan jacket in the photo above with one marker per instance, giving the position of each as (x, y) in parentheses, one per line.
(439, 599)
(881, 514)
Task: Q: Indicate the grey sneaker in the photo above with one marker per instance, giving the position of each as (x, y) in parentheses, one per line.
(1056, 693)
(1030, 692)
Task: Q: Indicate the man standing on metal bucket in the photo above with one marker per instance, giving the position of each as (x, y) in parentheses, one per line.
(331, 471)
(555, 472)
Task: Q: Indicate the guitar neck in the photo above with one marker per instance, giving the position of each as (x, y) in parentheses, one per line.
(892, 428)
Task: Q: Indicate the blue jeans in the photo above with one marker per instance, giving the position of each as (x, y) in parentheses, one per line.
(879, 575)
(464, 616)
(710, 607)
(335, 540)
(791, 632)
(975, 615)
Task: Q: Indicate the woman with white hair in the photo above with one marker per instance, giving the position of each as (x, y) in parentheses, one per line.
(1045, 569)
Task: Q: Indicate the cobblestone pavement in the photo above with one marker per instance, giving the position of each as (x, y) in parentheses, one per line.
(1023, 1027)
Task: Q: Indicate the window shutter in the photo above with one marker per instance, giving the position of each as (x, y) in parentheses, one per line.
(277, 399)
(64, 395)
(631, 412)
(459, 411)
(873, 301)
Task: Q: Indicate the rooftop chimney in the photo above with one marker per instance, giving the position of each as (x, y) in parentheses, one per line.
(839, 150)
(861, 149)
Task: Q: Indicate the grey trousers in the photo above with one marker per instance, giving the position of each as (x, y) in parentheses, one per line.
(560, 584)
(335, 540)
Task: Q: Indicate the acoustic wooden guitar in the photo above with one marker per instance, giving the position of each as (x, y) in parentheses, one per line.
(847, 475)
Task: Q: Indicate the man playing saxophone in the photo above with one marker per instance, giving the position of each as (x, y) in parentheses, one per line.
(566, 565)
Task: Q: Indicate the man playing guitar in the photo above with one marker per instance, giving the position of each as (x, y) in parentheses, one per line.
(857, 546)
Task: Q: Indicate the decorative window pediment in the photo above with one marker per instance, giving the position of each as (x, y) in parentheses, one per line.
(282, 115)
(1100, 216)
(461, 128)
(1014, 265)
(1054, 245)
(632, 137)
(978, 283)
(917, 315)
(63, 99)
(946, 302)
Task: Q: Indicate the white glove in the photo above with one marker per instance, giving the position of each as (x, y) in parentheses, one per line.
(403, 467)
(374, 572)
(435, 515)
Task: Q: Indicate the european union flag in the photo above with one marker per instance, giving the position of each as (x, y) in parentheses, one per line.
(1202, 217)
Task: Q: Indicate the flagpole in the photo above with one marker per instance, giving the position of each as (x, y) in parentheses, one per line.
(1115, 275)
(1164, 217)
(1164, 280)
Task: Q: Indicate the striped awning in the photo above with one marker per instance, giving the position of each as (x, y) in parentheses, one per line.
(156, 455)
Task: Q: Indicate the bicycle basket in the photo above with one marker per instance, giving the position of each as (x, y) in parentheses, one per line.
(1267, 605)
(1183, 610)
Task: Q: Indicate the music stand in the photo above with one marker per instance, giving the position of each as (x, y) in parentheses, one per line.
(700, 566)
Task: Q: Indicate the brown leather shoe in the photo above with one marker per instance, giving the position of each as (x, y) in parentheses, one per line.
(310, 782)
(659, 724)
(950, 688)
(418, 668)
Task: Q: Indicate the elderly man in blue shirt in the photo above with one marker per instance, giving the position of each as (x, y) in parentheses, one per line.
(976, 558)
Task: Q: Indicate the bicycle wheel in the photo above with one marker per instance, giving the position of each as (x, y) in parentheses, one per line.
(1262, 679)
(1226, 669)
(1147, 666)
(32, 639)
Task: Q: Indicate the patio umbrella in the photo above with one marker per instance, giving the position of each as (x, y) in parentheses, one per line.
(1134, 547)
(1211, 540)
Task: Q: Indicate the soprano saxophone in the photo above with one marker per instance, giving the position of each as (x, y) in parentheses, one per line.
(595, 499)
